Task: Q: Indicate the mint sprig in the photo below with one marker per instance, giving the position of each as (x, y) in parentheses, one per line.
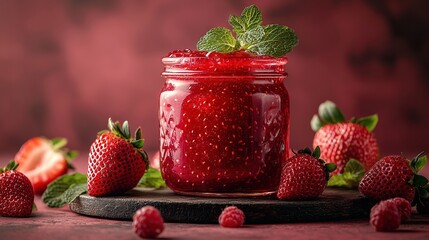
(274, 40)
(350, 178)
(152, 179)
(64, 190)
(67, 188)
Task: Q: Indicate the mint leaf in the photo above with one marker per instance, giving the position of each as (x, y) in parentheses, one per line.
(250, 37)
(337, 181)
(218, 40)
(277, 41)
(74, 191)
(64, 190)
(152, 178)
(250, 18)
(351, 176)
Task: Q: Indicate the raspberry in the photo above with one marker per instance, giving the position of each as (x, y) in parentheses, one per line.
(231, 217)
(404, 207)
(385, 216)
(148, 222)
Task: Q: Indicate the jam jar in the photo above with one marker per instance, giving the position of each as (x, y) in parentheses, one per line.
(224, 123)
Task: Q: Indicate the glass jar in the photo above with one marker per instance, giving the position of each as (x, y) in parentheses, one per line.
(224, 123)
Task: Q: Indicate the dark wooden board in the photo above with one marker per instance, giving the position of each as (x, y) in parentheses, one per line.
(332, 205)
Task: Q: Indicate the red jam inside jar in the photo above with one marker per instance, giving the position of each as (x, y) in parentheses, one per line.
(224, 123)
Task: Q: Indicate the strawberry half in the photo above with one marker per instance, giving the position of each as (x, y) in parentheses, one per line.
(43, 160)
(394, 176)
(304, 176)
(16, 192)
(116, 161)
(340, 140)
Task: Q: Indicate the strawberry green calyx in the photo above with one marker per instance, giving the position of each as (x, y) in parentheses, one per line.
(329, 167)
(329, 113)
(59, 145)
(419, 182)
(11, 166)
(124, 132)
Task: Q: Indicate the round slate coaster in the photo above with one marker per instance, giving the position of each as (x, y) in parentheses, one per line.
(334, 204)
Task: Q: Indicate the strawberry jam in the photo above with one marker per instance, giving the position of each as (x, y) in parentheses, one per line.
(224, 123)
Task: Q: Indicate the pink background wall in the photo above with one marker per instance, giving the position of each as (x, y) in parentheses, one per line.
(66, 66)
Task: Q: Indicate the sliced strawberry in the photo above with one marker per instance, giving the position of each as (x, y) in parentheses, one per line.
(43, 160)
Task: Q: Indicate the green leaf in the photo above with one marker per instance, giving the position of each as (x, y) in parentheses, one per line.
(355, 167)
(72, 154)
(369, 122)
(102, 132)
(250, 18)
(110, 124)
(12, 165)
(418, 162)
(138, 143)
(138, 134)
(337, 181)
(74, 191)
(34, 207)
(126, 130)
(217, 39)
(152, 178)
(419, 181)
(64, 190)
(306, 150)
(277, 41)
(330, 167)
(316, 152)
(330, 113)
(351, 176)
(58, 143)
(251, 37)
(316, 123)
(423, 193)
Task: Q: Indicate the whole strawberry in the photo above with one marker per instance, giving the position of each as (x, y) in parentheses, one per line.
(341, 140)
(16, 192)
(394, 176)
(304, 176)
(116, 161)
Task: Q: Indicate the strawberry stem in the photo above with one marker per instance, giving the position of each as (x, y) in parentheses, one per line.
(12, 165)
(58, 143)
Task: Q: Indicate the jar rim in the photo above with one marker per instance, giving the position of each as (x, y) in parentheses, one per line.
(232, 65)
(278, 60)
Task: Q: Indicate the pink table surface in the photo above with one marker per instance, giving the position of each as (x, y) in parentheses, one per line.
(48, 223)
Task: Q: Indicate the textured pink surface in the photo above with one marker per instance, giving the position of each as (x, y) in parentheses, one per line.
(66, 66)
